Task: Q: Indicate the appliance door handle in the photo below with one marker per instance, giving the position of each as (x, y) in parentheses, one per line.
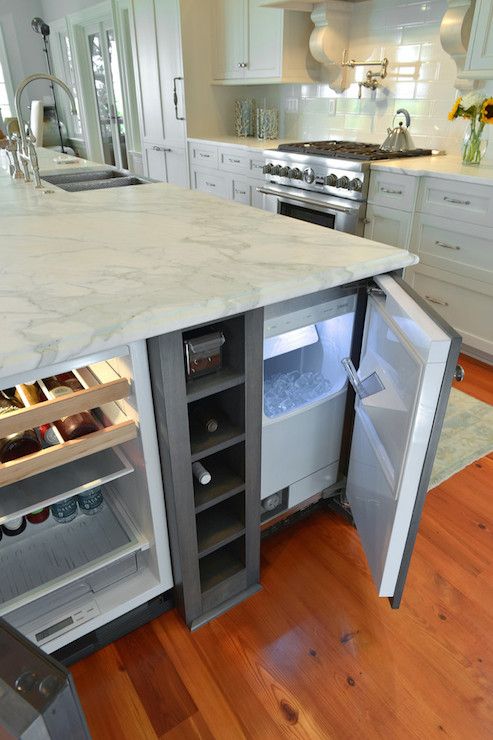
(307, 201)
(175, 99)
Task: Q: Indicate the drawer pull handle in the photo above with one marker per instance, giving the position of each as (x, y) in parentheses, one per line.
(240, 192)
(436, 300)
(456, 201)
(233, 161)
(391, 191)
(205, 156)
(210, 184)
(446, 246)
(161, 149)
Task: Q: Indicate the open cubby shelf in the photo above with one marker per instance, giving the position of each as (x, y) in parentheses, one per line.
(220, 524)
(214, 383)
(208, 444)
(222, 564)
(227, 469)
(228, 408)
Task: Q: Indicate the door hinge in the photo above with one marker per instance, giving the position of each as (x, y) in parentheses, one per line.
(373, 290)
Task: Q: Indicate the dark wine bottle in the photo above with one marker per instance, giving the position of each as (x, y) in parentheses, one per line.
(18, 444)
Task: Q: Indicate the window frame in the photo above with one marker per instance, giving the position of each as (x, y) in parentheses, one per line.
(4, 63)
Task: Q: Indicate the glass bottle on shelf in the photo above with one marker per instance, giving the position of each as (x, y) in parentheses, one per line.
(76, 425)
(64, 511)
(20, 443)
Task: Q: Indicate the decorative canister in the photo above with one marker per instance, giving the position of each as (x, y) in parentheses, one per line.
(267, 123)
(244, 117)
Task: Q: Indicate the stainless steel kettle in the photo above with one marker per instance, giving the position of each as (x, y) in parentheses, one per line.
(398, 138)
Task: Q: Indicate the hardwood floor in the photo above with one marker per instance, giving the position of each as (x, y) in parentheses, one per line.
(316, 654)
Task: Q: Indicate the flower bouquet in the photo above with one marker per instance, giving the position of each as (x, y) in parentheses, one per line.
(478, 111)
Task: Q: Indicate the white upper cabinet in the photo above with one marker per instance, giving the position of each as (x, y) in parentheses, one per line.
(257, 44)
(479, 59)
(158, 64)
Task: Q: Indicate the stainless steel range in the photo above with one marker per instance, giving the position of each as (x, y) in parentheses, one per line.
(324, 182)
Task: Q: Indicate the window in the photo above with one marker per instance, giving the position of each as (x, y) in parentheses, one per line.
(6, 91)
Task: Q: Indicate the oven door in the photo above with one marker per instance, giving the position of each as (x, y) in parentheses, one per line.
(316, 208)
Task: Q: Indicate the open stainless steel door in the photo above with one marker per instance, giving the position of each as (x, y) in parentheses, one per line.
(37, 695)
(408, 360)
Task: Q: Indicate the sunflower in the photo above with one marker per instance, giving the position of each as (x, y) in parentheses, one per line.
(487, 111)
(455, 108)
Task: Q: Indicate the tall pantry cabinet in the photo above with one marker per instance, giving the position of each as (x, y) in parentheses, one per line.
(158, 63)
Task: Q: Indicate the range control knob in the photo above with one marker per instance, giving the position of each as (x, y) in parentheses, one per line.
(267, 169)
(275, 169)
(296, 174)
(284, 171)
(331, 180)
(343, 182)
(308, 175)
(356, 184)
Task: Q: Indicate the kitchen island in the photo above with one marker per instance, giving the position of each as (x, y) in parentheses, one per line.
(87, 278)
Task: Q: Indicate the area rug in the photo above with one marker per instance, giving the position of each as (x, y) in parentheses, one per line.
(467, 435)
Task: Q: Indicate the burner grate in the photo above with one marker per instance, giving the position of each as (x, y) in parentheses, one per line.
(348, 150)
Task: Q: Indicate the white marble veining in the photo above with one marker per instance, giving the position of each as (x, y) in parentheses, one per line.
(447, 167)
(242, 142)
(84, 272)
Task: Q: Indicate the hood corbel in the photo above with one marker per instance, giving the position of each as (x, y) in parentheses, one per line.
(329, 39)
(455, 30)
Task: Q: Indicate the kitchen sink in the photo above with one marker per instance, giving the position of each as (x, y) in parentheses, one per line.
(93, 180)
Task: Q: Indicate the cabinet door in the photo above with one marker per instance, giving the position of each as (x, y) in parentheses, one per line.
(168, 34)
(38, 697)
(230, 53)
(408, 359)
(147, 70)
(388, 225)
(166, 165)
(264, 33)
(480, 50)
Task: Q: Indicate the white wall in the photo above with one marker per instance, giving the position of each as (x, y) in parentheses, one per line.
(24, 47)
(55, 9)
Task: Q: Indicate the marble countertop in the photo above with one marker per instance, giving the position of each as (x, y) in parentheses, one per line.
(241, 142)
(84, 272)
(448, 167)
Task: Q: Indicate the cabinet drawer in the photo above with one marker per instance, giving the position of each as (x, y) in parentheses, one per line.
(242, 191)
(457, 200)
(57, 408)
(395, 191)
(257, 167)
(234, 160)
(464, 249)
(466, 304)
(204, 155)
(214, 183)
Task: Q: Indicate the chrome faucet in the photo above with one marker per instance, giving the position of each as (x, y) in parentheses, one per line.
(27, 150)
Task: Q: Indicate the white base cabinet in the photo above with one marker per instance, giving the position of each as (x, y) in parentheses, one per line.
(388, 225)
(228, 172)
(448, 224)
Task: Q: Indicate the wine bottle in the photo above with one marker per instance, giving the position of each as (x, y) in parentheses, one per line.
(202, 474)
(77, 425)
(20, 443)
(203, 421)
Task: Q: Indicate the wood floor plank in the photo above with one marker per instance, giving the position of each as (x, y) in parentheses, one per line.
(203, 684)
(155, 679)
(112, 707)
(316, 654)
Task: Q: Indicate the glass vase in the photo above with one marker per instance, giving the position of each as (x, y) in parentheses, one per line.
(474, 146)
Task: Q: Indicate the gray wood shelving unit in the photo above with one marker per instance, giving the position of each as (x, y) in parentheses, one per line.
(214, 529)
